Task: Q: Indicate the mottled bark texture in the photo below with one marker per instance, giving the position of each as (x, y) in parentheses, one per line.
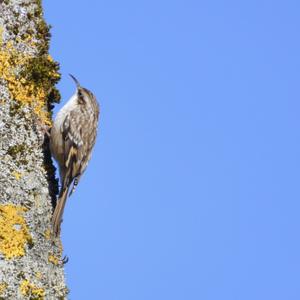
(30, 258)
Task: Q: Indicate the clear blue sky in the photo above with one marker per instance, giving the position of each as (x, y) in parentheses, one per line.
(193, 191)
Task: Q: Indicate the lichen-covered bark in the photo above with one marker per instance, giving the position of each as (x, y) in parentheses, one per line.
(30, 257)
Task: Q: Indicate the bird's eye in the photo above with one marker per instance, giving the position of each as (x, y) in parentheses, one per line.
(80, 97)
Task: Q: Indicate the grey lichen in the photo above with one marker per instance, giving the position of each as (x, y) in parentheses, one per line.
(27, 182)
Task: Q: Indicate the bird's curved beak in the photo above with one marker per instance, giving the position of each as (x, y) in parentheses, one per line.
(76, 81)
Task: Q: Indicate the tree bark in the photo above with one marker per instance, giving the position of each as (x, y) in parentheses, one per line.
(30, 257)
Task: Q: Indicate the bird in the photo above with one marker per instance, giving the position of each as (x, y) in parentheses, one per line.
(72, 138)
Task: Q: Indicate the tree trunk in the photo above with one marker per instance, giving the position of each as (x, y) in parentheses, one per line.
(30, 257)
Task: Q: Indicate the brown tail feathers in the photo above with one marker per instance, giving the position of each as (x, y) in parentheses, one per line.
(58, 211)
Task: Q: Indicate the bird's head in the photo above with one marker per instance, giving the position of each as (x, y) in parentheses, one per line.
(83, 94)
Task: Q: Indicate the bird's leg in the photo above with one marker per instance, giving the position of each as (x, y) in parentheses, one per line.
(43, 130)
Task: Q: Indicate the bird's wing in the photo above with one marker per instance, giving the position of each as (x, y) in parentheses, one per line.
(77, 146)
(72, 144)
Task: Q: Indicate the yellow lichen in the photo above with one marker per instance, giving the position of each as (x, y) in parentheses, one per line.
(30, 79)
(47, 234)
(17, 175)
(14, 233)
(53, 259)
(38, 275)
(32, 291)
(3, 287)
